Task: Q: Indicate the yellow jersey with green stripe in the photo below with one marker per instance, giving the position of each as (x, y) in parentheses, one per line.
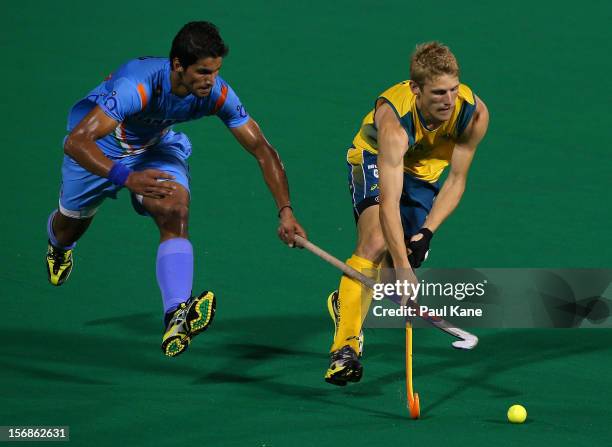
(429, 151)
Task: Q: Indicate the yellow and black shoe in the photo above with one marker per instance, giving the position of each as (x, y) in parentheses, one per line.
(333, 306)
(344, 367)
(59, 264)
(188, 320)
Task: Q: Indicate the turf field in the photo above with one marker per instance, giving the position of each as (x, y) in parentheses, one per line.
(87, 354)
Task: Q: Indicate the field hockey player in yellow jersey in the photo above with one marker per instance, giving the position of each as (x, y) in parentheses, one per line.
(416, 129)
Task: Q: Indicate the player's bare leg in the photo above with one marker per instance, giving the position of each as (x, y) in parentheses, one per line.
(186, 316)
(370, 239)
(349, 306)
(171, 214)
(68, 230)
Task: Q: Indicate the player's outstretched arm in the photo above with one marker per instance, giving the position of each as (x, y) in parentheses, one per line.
(253, 140)
(451, 192)
(81, 146)
(392, 145)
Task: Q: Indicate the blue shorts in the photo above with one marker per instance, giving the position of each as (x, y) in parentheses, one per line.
(415, 203)
(83, 192)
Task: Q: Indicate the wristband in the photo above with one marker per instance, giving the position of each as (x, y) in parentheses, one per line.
(282, 208)
(119, 174)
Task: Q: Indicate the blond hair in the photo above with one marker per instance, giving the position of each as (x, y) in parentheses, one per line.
(430, 60)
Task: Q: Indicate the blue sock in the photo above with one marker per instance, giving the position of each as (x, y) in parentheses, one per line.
(52, 237)
(175, 271)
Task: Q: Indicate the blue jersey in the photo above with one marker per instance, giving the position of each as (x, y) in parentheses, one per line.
(138, 95)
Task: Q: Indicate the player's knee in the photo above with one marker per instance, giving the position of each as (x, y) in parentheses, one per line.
(372, 247)
(173, 212)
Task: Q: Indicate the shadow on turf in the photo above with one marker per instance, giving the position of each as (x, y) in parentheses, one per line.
(503, 422)
(134, 323)
(466, 370)
(504, 351)
(245, 350)
(102, 351)
(245, 356)
(48, 374)
(239, 360)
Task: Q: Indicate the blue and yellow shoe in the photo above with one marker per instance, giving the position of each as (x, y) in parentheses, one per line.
(59, 264)
(344, 367)
(333, 307)
(188, 320)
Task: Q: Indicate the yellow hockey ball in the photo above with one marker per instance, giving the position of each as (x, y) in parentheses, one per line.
(517, 414)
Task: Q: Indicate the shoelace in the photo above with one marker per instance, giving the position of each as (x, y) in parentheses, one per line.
(58, 256)
(342, 354)
(180, 316)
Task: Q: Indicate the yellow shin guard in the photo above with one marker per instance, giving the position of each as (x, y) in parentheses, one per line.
(354, 300)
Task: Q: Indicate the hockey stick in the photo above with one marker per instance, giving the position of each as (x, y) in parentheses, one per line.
(466, 340)
(414, 407)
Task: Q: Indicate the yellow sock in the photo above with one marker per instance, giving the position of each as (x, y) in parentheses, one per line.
(354, 300)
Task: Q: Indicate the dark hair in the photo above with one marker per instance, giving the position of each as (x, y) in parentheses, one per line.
(197, 40)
